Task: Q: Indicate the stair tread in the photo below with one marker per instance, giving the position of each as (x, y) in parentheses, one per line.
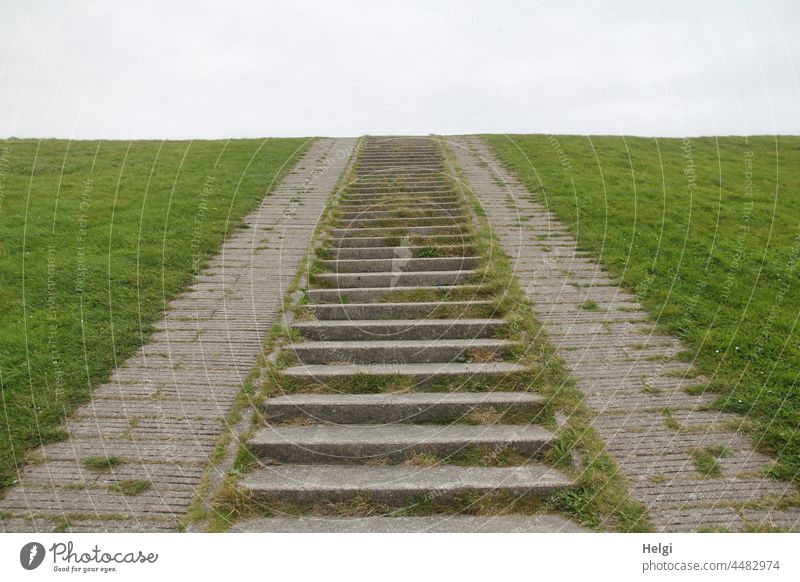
(420, 398)
(448, 369)
(467, 343)
(400, 435)
(393, 408)
(398, 322)
(440, 523)
(465, 303)
(353, 479)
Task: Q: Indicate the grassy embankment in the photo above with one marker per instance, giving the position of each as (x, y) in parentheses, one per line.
(707, 232)
(95, 239)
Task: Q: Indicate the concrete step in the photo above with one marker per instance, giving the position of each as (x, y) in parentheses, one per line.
(456, 210)
(385, 294)
(356, 189)
(421, 310)
(397, 221)
(394, 175)
(400, 351)
(400, 279)
(391, 206)
(403, 160)
(367, 253)
(399, 329)
(344, 444)
(400, 201)
(406, 170)
(396, 231)
(391, 182)
(439, 523)
(390, 242)
(397, 485)
(401, 261)
(421, 373)
(396, 408)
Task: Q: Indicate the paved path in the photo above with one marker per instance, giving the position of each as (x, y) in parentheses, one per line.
(164, 408)
(627, 370)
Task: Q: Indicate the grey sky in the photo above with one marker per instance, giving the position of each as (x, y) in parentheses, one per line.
(114, 70)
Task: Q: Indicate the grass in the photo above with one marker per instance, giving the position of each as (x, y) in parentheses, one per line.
(707, 232)
(131, 487)
(102, 464)
(706, 460)
(96, 238)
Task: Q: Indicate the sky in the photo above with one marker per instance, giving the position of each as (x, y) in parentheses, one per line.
(105, 69)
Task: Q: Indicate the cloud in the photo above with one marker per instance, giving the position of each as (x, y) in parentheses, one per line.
(118, 70)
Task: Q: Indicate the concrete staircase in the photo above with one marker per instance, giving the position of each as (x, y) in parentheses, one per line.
(396, 295)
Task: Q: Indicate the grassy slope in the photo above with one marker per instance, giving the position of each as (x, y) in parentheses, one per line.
(95, 239)
(707, 232)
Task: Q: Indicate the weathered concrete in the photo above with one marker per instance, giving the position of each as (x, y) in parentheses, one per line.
(396, 279)
(394, 408)
(400, 260)
(626, 369)
(162, 411)
(395, 350)
(348, 444)
(421, 309)
(399, 329)
(400, 485)
(420, 372)
(544, 523)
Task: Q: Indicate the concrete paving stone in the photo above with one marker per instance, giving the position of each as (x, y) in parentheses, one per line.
(144, 428)
(235, 300)
(173, 475)
(647, 401)
(708, 492)
(782, 519)
(35, 501)
(618, 376)
(26, 525)
(697, 519)
(153, 409)
(123, 526)
(78, 450)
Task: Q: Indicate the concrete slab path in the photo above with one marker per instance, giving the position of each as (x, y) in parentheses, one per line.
(650, 406)
(162, 411)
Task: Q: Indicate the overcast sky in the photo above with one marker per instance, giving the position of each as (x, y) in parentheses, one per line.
(138, 69)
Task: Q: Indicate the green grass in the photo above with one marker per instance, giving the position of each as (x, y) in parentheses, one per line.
(707, 232)
(131, 487)
(95, 239)
(102, 464)
(706, 460)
